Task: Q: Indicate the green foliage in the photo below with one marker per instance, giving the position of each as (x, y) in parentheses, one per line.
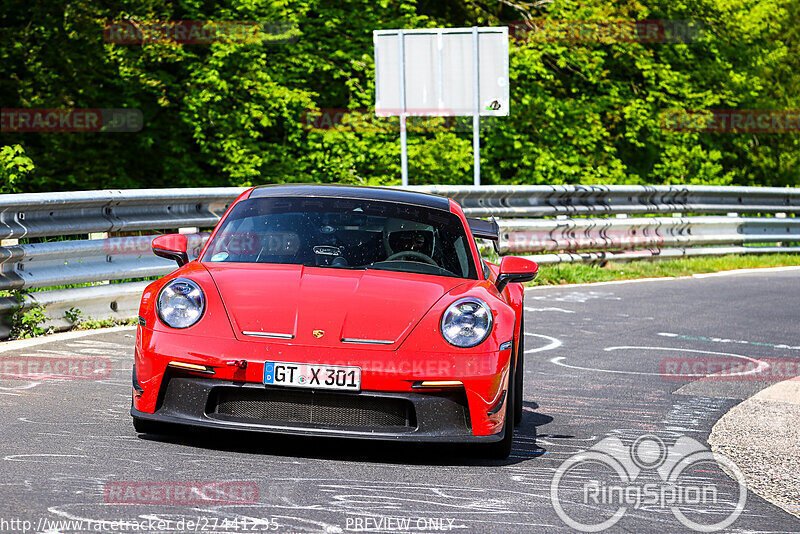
(91, 324)
(73, 315)
(29, 323)
(14, 166)
(234, 113)
(579, 273)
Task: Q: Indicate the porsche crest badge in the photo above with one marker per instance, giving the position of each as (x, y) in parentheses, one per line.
(318, 333)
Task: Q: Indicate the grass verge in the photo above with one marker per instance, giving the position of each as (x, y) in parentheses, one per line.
(579, 273)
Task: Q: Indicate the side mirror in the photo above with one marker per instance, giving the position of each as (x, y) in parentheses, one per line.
(172, 247)
(514, 269)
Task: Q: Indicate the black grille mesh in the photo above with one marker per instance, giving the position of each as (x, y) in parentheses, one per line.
(313, 407)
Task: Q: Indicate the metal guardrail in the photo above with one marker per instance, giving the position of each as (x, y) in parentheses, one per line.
(584, 229)
(602, 257)
(81, 261)
(571, 235)
(85, 212)
(118, 301)
(593, 200)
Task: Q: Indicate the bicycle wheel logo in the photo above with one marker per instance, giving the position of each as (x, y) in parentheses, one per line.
(593, 490)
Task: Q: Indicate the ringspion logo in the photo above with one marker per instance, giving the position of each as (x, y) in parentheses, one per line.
(593, 490)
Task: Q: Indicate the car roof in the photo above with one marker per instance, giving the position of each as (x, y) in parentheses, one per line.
(355, 192)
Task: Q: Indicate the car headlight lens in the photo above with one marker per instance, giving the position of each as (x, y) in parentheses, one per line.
(466, 322)
(181, 303)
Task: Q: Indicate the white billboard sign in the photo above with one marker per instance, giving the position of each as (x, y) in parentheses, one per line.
(436, 72)
(441, 72)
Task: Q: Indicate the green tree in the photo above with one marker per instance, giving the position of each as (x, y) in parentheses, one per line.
(14, 166)
(582, 111)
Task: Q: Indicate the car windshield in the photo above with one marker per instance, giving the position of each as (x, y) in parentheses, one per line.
(345, 234)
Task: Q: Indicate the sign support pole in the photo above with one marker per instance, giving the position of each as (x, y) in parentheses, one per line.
(476, 112)
(403, 133)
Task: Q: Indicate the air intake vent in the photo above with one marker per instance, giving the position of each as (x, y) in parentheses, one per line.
(313, 408)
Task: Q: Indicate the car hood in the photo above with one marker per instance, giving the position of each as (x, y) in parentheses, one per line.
(324, 306)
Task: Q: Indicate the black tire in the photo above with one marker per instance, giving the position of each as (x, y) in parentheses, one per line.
(500, 450)
(145, 426)
(519, 374)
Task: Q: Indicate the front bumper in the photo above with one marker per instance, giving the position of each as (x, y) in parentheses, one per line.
(225, 404)
(385, 375)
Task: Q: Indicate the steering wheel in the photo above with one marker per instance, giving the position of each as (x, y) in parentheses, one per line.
(413, 255)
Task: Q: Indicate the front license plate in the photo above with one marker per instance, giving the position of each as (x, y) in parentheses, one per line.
(303, 375)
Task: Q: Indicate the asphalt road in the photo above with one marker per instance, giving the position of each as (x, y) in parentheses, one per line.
(594, 370)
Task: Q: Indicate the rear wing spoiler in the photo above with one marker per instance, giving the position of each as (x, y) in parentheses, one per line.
(484, 229)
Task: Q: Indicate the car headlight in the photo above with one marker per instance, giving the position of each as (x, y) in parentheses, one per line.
(466, 322)
(181, 303)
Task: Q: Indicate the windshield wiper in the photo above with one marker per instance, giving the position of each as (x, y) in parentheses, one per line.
(409, 267)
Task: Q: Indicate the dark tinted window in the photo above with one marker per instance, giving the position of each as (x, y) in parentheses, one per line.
(344, 233)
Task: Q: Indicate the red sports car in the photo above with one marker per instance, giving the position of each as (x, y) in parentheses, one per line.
(336, 311)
